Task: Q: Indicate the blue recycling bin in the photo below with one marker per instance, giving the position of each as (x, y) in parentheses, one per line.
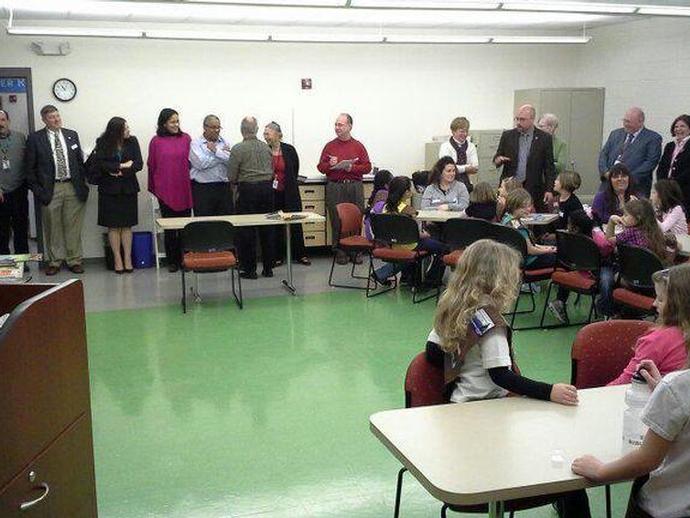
(142, 250)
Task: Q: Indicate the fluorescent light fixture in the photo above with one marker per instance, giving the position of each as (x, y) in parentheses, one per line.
(437, 39)
(541, 39)
(75, 31)
(569, 7)
(664, 11)
(205, 35)
(278, 3)
(327, 38)
(426, 4)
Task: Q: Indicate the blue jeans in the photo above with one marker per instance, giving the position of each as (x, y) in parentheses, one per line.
(435, 248)
(607, 281)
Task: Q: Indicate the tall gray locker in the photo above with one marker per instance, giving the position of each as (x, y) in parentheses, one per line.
(580, 112)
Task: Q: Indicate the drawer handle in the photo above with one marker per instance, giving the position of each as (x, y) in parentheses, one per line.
(31, 503)
(310, 191)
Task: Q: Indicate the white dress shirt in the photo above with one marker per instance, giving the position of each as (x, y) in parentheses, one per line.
(447, 149)
(51, 139)
(208, 167)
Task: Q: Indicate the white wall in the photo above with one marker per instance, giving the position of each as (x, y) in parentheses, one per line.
(644, 63)
(399, 96)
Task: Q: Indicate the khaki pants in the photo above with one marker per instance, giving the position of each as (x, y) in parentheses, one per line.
(62, 221)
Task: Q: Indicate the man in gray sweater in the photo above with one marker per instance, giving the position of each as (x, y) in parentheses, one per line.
(14, 201)
(251, 169)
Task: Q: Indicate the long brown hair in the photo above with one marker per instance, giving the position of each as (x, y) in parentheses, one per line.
(646, 222)
(676, 282)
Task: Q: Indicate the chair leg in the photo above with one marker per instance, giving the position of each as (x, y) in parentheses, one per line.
(546, 303)
(184, 292)
(352, 275)
(330, 276)
(608, 500)
(398, 492)
(238, 300)
(444, 511)
(592, 310)
(371, 292)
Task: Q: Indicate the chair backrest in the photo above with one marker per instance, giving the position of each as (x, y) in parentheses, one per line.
(637, 265)
(424, 383)
(462, 232)
(208, 236)
(394, 229)
(350, 219)
(576, 252)
(602, 350)
(508, 236)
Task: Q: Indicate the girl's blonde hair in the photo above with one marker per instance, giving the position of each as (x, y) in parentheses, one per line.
(483, 193)
(488, 273)
(510, 183)
(676, 282)
(517, 199)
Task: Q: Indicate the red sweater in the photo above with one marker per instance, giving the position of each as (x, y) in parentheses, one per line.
(665, 346)
(344, 150)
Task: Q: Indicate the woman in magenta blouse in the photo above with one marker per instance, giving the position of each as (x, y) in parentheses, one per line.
(168, 165)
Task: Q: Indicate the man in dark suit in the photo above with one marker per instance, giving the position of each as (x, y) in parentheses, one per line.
(526, 152)
(56, 175)
(634, 145)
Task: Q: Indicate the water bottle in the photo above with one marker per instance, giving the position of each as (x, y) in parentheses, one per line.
(636, 398)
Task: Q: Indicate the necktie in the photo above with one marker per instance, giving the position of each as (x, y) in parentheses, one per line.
(628, 141)
(60, 158)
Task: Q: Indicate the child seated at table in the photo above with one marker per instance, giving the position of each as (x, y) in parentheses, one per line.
(482, 202)
(472, 340)
(506, 186)
(641, 229)
(666, 345)
(399, 201)
(565, 185)
(662, 464)
(518, 206)
(667, 199)
(377, 200)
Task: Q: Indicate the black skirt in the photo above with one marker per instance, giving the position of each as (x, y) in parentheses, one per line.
(117, 210)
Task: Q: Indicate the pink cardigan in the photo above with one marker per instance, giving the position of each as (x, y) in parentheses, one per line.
(665, 346)
(168, 166)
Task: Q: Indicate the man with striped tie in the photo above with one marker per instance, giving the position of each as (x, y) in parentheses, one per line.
(56, 175)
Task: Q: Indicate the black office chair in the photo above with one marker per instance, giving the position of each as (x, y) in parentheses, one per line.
(575, 254)
(636, 291)
(396, 229)
(461, 233)
(207, 247)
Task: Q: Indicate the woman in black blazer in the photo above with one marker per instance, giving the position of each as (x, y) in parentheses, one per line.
(113, 166)
(675, 161)
(285, 190)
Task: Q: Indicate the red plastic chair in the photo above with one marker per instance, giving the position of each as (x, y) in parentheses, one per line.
(351, 241)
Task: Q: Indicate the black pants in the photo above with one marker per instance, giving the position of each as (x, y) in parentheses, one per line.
(173, 251)
(212, 199)
(296, 234)
(14, 219)
(255, 198)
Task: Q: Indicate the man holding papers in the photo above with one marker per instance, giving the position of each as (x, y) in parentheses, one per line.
(343, 160)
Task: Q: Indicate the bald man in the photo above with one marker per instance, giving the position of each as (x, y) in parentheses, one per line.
(635, 146)
(526, 152)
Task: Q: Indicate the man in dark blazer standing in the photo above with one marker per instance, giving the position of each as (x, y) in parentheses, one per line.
(56, 175)
(526, 152)
(635, 146)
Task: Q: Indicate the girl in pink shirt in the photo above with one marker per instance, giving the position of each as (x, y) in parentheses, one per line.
(667, 344)
(667, 199)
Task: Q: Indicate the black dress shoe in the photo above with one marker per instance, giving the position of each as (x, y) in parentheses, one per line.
(267, 273)
(76, 268)
(249, 275)
(128, 270)
(52, 270)
(172, 268)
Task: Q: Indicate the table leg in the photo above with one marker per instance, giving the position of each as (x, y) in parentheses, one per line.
(495, 509)
(288, 260)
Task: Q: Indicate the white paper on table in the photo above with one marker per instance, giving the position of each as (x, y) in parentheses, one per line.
(344, 164)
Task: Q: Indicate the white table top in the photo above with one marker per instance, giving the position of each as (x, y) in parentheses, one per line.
(501, 449)
(441, 216)
(683, 244)
(240, 220)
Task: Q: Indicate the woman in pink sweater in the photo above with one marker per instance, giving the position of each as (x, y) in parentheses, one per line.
(169, 181)
(666, 345)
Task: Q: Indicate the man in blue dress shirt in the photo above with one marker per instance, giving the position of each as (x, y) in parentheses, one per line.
(209, 156)
(635, 146)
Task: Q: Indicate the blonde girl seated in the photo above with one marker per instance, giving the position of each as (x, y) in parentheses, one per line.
(471, 338)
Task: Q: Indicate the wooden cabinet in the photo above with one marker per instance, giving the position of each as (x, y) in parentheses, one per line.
(314, 200)
(46, 448)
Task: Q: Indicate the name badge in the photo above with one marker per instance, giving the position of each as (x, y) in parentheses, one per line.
(5, 164)
(434, 202)
(275, 184)
(74, 146)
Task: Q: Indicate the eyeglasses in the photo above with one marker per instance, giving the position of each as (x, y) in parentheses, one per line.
(522, 119)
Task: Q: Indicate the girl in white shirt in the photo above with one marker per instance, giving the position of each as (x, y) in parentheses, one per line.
(667, 200)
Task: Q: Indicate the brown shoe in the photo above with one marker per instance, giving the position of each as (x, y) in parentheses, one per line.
(76, 268)
(341, 257)
(52, 270)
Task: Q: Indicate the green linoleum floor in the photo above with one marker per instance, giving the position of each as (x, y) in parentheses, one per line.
(264, 412)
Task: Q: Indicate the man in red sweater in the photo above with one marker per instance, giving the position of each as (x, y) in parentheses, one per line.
(343, 160)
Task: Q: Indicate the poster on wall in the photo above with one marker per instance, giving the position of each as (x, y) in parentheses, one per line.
(14, 100)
